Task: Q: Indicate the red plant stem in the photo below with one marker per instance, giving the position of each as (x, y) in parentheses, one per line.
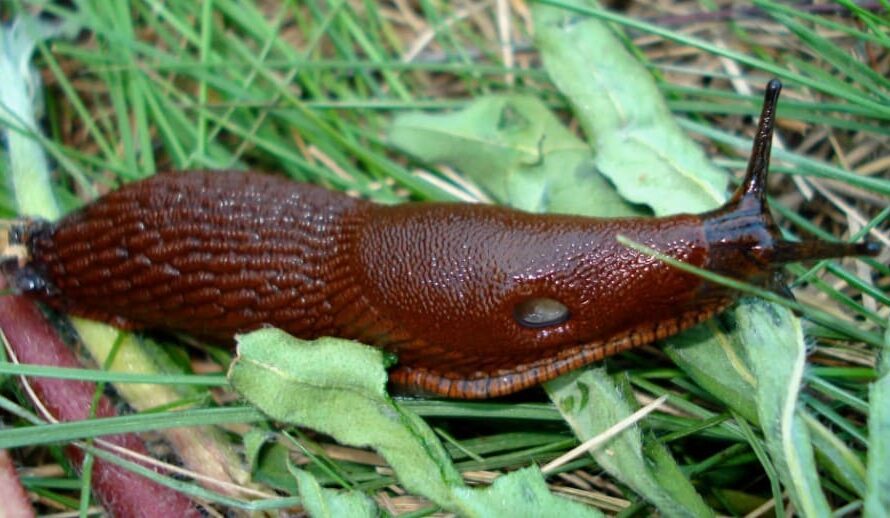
(15, 503)
(121, 492)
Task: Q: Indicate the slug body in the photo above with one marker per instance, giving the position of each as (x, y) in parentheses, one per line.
(477, 301)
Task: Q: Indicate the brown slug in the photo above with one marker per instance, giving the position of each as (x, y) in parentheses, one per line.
(477, 301)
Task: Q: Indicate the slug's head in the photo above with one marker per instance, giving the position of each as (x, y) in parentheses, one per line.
(744, 240)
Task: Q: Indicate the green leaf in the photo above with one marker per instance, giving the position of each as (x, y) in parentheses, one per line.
(522, 493)
(345, 383)
(877, 497)
(638, 144)
(515, 149)
(712, 354)
(337, 387)
(330, 503)
(268, 461)
(254, 441)
(836, 457)
(19, 89)
(591, 402)
(776, 355)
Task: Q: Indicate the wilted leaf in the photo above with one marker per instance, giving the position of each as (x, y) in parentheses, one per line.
(337, 387)
(204, 448)
(330, 503)
(836, 457)
(515, 149)
(776, 354)
(637, 142)
(268, 461)
(19, 89)
(591, 402)
(522, 493)
(712, 355)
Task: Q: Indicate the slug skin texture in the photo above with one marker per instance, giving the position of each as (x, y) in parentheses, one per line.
(477, 301)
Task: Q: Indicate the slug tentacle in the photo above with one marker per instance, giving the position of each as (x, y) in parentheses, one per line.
(745, 240)
(754, 185)
(477, 301)
(793, 251)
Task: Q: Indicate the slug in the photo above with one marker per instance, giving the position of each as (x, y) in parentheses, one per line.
(477, 301)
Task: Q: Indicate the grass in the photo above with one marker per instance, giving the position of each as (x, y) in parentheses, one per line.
(308, 90)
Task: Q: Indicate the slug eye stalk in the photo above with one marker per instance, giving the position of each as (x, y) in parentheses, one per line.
(744, 224)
